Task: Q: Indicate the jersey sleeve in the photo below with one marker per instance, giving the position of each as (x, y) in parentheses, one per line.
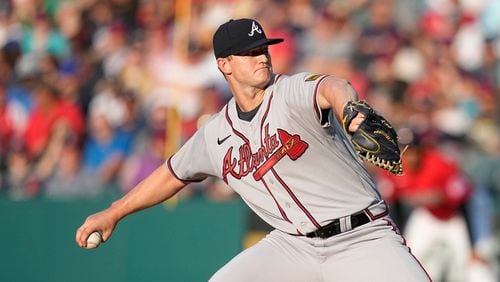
(192, 162)
(301, 96)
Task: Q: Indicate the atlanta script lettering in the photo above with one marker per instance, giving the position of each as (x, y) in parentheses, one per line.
(247, 161)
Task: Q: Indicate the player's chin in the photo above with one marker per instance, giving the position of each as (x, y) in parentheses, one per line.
(264, 74)
(266, 69)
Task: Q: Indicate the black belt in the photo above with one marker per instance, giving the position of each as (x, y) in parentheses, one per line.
(333, 228)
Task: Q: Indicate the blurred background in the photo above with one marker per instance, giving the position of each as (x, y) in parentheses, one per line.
(95, 94)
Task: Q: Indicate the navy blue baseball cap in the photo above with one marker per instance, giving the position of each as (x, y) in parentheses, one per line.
(237, 36)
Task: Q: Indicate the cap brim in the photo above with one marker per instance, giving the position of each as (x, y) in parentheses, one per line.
(258, 43)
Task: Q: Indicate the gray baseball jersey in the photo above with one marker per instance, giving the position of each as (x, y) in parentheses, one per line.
(298, 171)
(295, 171)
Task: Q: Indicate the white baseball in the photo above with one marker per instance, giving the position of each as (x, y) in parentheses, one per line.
(94, 240)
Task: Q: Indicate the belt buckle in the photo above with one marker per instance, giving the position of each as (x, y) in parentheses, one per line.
(321, 234)
(329, 230)
(326, 235)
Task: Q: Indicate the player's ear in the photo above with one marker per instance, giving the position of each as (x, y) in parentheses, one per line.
(224, 66)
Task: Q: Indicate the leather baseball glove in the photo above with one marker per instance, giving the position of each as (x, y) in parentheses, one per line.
(375, 140)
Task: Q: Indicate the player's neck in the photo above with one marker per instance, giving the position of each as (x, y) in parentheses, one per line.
(248, 97)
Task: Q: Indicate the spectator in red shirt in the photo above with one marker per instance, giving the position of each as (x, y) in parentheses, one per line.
(434, 187)
(6, 128)
(6, 133)
(49, 110)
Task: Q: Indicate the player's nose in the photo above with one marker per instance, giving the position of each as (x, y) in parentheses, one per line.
(264, 58)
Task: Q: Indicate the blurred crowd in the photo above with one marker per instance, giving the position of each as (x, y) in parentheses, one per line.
(95, 94)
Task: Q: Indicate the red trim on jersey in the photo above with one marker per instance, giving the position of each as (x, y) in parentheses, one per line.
(282, 211)
(278, 76)
(296, 200)
(396, 230)
(265, 116)
(234, 130)
(239, 134)
(373, 217)
(169, 166)
(317, 110)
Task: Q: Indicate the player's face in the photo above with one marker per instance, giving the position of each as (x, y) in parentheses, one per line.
(252, 67)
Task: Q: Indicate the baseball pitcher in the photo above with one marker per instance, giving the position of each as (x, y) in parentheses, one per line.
(291, 147)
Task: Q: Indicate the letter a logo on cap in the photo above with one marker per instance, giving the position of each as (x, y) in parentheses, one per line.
(255, 28)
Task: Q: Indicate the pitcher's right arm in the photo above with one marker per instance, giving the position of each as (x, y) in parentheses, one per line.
(159, 186)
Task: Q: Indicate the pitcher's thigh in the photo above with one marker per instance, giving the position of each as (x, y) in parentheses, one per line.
(385, 259)
(272, 259)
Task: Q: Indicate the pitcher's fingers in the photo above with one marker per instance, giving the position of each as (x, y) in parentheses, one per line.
(77, 237)
(81, 236)
(356, 122)
(106, 234)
